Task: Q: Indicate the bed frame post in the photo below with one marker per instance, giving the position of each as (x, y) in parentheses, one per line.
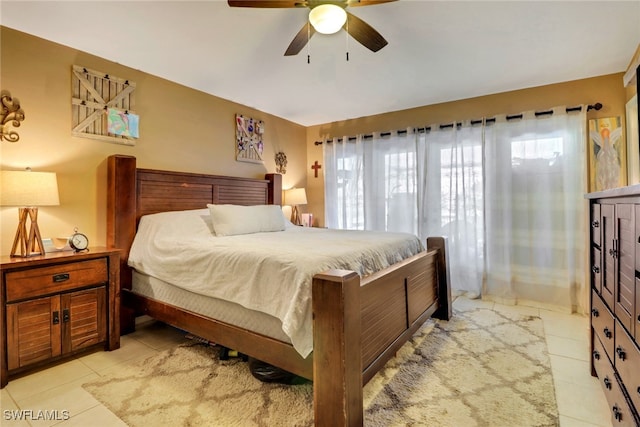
(445, 308)
(121, 222)
(274, 196)
(337, 359)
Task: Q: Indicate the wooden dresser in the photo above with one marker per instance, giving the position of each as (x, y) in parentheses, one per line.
(615, 299)
(57, 305)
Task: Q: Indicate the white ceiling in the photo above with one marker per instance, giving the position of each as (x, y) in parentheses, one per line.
(437, 51)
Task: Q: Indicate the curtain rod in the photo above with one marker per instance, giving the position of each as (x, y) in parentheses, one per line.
(597, 106)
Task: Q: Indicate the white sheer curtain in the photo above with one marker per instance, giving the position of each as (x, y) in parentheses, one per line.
(344, 185)
(534, 208)
(508, 194)
(452, 205)
(371, 182)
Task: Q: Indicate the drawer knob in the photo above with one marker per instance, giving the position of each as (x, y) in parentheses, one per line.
(62, 277)
(56, 317)
(595, 269)
(596, 313)
(595, 224)
(596, 355)
(607, 333)
(622, 355)
(607, 383)
(65, 315)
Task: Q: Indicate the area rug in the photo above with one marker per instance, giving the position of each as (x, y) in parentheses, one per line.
(481, 368)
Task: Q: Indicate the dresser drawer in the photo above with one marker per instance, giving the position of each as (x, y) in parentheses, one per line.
(601, 362)
(596, 230)
(627, 363)
(602, 322)
(621, 413)
(57, 278)
(596, 269)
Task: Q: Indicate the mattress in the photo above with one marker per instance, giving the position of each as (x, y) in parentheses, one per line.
(225, 311)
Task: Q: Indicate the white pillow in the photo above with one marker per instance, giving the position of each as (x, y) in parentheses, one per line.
(230, 220)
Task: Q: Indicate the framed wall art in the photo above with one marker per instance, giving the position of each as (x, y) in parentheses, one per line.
(607, 154)
(103, 107)
(249, 143)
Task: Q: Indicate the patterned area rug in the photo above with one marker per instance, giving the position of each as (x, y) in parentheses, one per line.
(482, 368)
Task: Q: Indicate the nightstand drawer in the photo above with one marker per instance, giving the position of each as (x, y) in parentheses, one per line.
(58, 278)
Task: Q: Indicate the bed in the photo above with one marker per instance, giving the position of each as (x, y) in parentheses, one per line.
(357, 323)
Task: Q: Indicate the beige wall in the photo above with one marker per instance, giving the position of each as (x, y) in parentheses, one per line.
(608, 90)
(180, 129)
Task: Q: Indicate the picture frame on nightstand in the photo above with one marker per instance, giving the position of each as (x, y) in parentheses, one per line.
(306, 219)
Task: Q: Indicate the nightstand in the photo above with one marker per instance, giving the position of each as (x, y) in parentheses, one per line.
(56, 306)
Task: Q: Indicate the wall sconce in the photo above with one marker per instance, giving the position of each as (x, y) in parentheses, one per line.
(11, 114)
(293, 198)
(27, 190)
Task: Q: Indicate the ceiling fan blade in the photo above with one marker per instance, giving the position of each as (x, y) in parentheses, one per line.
(364, 33)
(356, 3)
(300, 40)
(267, 3)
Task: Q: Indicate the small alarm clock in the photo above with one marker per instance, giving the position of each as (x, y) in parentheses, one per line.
(78, 241)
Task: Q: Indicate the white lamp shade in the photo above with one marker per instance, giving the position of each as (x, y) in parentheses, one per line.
(295, 197)
(327, 18)
(28, 188)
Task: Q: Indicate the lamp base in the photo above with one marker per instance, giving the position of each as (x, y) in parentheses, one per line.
(29, 244)
(295, 216)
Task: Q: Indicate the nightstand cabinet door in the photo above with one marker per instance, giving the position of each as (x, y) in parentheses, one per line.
(33, 331)
(84, 319)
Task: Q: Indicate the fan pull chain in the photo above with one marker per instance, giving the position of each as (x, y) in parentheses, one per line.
(347, 35)
(308, 43)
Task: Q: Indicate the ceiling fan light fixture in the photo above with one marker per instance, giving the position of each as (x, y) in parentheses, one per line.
(327, 18)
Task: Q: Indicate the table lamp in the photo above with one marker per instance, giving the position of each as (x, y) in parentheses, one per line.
(293, 198)
(28, 190)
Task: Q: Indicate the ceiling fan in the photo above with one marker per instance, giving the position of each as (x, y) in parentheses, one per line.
(325, 16)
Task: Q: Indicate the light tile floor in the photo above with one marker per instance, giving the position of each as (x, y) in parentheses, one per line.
(581, 401)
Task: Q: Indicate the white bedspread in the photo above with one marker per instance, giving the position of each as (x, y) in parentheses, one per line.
(269, 272)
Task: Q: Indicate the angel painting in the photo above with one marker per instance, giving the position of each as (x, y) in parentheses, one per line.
(607, 154)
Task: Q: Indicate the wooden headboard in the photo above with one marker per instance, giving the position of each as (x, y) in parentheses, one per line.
(133, 192)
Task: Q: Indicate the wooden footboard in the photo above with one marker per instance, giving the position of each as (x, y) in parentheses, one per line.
(357, 325)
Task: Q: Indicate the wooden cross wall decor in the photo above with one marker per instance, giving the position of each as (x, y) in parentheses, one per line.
(315, 168)
(92, 92)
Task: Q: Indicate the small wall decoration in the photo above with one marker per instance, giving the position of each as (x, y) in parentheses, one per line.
(315, 166)
(281, 162)
(607, 154)
(93, 95)
(249, 144)
(11, 115)
(122, 123)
